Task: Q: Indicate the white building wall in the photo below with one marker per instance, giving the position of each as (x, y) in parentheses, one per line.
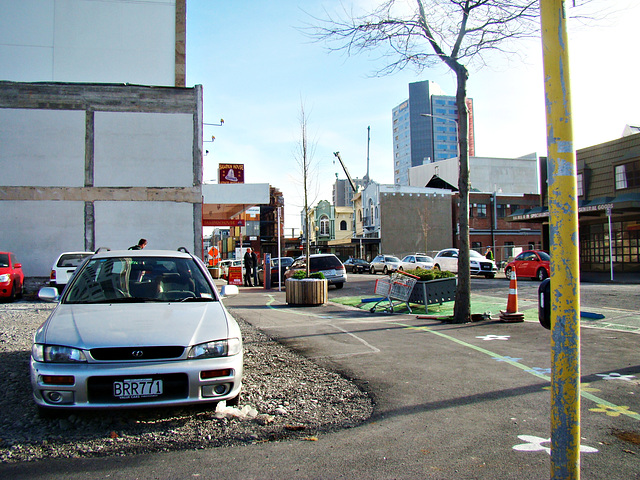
(486, 174)
(34, 233)
(167, 225)
(55, 153)
(107, 41)
(143, 149)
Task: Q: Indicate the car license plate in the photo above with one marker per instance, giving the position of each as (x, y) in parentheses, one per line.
(137, 388)
(329, 273)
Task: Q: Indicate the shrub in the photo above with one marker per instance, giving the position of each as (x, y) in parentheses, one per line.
(300, 274)
(426, 275)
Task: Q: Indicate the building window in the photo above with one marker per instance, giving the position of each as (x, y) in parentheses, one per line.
(482, 210)
(343, 225)
(627, 175)
(514, 207)
(324, 225)
(501, 210)
(580, 185)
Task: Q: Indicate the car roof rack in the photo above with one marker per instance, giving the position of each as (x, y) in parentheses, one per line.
(103, 249)
(183, 249)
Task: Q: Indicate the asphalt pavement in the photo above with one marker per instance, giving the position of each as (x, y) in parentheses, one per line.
(465, 401)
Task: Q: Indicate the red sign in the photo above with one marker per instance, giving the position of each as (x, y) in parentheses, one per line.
(222, 223)
(235, 276)
(230, 173)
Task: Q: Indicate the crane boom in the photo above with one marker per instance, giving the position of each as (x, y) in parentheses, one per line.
(353, 185)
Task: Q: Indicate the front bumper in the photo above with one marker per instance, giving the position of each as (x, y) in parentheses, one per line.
(92, 385)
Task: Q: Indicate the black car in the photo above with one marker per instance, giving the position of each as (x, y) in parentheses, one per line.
(286, 263)
(356, 265)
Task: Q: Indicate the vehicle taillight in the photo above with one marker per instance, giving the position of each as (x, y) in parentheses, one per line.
(53, 275)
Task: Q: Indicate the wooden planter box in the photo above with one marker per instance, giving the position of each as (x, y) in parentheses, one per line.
(434, 291)
(307, 291)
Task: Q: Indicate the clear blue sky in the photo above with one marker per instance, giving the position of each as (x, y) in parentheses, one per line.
(256, 68)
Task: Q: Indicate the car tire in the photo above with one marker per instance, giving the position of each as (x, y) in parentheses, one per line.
(400, 269)
(339, 285)
(372, 270)
(489, 275)
(436, 267)
(385, 270)
(541, 274)
(507, 272)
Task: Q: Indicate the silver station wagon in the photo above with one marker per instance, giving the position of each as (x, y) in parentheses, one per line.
(137, 328)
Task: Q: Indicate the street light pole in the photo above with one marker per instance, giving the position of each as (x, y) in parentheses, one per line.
(451, 120)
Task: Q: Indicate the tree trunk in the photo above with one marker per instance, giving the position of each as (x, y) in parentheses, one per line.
(462, 308)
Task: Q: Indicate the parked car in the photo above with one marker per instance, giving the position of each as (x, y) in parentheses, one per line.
(64, 266)
(137, 328)
(225, 264)
(11, 277)
(275, 280)
(417, 260)
(447, 259)
(385, 264)
(356, 265)
(530, 263)
(327, 263)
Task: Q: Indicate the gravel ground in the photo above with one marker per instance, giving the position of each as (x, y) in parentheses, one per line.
(284, 396)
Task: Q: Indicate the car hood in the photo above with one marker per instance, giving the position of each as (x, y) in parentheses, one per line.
(117, 325)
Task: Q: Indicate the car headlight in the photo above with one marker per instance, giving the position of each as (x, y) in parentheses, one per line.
(57, 354)
(4, 278)
(219, 348)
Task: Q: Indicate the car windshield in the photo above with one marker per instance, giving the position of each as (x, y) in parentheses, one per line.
(4, 260)
(286, 262)
(392, 259)
(473, 253)
(423, 258)
(72, 259)
(139, 279)
(325, 263)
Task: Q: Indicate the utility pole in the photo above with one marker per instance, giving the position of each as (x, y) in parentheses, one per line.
(565, 267)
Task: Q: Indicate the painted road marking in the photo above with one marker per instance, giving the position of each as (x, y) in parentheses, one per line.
(535, 444)
(603, 405)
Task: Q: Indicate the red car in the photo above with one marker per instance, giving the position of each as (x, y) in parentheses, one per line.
(530, 263)
(11, 276)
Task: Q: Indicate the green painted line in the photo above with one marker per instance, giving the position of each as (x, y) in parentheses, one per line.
(529, 370)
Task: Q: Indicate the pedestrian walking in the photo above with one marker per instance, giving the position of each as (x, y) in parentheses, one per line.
(489, 254)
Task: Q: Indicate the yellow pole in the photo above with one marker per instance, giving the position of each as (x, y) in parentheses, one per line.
(565, 271)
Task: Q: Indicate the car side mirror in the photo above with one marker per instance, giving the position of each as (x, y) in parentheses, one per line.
(544, 303)
(49, 294)
(229, 290)
(17, 265)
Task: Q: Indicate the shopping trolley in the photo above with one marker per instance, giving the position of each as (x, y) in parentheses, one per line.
(398, 287)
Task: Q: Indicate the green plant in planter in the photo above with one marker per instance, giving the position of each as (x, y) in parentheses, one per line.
(301, 274)
(427, 275)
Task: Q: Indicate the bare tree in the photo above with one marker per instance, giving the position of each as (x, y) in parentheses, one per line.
(304, 157)
(421, 34)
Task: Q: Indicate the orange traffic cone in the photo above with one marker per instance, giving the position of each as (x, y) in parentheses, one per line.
(511, 315)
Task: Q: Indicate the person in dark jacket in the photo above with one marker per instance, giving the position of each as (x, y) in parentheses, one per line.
(254, 266)
(248, 262)
(141, 244)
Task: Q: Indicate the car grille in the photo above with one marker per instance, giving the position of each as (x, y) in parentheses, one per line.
(486, 266)
(137, 353)
(175, 386)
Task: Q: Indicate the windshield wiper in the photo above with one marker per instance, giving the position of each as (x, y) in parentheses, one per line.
(197, 299)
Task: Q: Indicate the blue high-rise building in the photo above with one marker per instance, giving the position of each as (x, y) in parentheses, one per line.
(420, 139)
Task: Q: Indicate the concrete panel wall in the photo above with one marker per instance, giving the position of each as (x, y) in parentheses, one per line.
(55, 153)
(32, 230)
(425, 221)
(165, 225)
(143, 149)
(55, 40)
